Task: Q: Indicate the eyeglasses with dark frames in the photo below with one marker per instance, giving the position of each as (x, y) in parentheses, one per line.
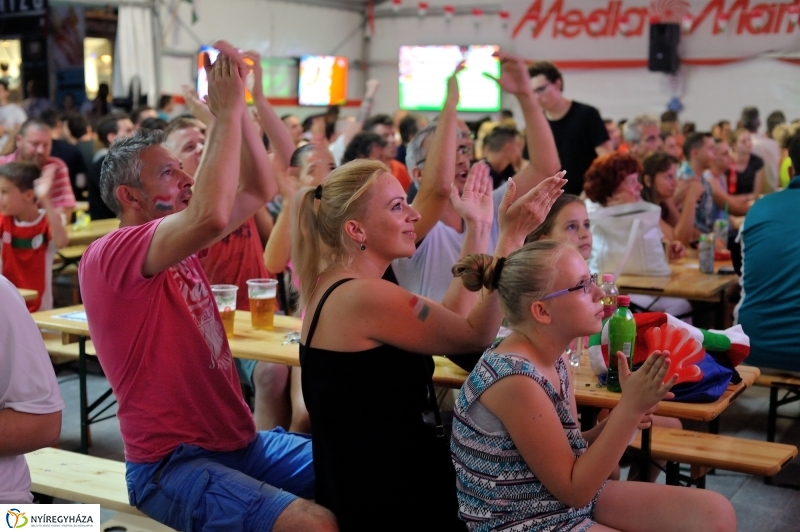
(585, 285)
(540, 90)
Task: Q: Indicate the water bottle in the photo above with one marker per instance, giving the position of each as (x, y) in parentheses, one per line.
(705, 253)
(621, 337)
(721, 231)
(611, 293)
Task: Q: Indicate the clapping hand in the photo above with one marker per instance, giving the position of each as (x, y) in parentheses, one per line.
(257, 89)
(645, 387)
(225, 86)
(518, 218)
(475, 204)
(513, 74)
(43, 184)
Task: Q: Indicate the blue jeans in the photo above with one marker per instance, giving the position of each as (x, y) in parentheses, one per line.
(196, 489)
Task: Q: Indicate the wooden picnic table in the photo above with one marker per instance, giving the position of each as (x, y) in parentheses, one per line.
(685, 282)
(97, 229)
(75, 330)
(273, 346)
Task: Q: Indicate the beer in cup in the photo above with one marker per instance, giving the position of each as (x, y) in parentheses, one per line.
(262, 293)
(225, 297)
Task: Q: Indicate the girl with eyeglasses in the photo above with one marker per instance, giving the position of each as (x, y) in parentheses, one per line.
(519, 455)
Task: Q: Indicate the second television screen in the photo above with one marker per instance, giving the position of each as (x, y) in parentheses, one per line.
(424, 71)
(323, 80)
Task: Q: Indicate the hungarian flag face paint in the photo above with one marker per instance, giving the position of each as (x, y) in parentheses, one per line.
(162, 203)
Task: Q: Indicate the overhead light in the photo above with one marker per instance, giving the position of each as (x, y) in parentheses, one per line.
(105, 58)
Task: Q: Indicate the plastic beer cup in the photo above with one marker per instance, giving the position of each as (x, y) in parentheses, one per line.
(262, 294)
(225, 297)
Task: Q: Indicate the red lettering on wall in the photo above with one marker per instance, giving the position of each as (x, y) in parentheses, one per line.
(607, 21)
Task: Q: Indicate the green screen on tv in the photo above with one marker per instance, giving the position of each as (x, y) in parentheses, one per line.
(424, 71)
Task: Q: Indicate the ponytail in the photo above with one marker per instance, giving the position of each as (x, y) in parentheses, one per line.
(319, 216)
(306, 246)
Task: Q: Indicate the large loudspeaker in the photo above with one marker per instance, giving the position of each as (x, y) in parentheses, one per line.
(664, 40)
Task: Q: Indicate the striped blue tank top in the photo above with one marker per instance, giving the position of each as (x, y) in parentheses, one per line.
(496, 488)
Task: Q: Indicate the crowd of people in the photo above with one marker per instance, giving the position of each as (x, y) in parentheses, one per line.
(386, 229)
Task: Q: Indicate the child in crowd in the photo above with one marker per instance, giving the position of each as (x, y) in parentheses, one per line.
(568, 223)
(524, 462)
(30, 235)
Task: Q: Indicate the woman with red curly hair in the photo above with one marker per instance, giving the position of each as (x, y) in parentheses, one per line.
(613, 181)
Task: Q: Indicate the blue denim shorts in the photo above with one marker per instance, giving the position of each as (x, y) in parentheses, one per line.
(196, 489)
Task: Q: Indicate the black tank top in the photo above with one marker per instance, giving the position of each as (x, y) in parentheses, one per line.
(378, 465)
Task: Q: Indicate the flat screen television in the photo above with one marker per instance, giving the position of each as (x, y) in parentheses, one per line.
(322, 80)
(424, 71)
(278, 75)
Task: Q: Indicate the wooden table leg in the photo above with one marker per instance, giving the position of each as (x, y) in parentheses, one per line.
(84, 409)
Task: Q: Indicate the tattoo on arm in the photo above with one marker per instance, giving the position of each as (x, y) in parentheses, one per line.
(420, 308)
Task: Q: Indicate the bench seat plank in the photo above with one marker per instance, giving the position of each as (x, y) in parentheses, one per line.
(753, 457)
(80, 478)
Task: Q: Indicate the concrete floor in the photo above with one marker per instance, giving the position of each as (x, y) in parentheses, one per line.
(759, 508)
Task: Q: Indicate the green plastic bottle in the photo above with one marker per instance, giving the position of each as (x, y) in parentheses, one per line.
(621, 337)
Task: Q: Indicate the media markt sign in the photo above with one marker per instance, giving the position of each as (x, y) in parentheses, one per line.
(51, 517)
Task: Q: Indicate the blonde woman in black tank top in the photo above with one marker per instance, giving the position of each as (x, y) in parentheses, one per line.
(366, 358)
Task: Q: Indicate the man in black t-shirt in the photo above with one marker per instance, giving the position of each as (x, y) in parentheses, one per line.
(578, 129)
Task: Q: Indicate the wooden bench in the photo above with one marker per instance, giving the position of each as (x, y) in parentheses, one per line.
(80, 478)
(789, 383)
(67, 256)
(704, 451)
(61, 352)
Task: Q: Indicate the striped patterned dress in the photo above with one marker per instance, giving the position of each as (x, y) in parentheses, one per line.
(496, 488)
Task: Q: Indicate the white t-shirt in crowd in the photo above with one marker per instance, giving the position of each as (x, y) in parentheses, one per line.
(427, 272)
(11, 115)
(27, 383)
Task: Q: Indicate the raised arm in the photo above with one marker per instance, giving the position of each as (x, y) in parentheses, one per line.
(273, 126)
(440, 164)
(542, 151)
(42, 188)
(278, 250)
(208, 216)
(256, 178)
(391, 315)
(476, 208)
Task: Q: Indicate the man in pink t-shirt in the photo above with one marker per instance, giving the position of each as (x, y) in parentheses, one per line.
(193, 458)
(239, 257)
(33, 145)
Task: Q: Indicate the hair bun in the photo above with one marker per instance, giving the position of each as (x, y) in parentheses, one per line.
(477, 271)
(499, 263)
